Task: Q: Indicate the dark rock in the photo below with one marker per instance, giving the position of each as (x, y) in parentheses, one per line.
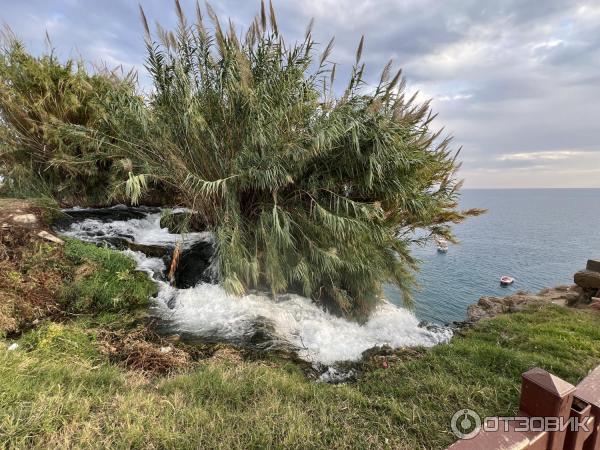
(172, 302)
(433, 327)
(593, 265)
(193, 265)
(154, 251)
(103, 214)
(587, 279)
(182, 222)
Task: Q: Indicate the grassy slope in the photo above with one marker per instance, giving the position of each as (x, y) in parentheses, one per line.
(59, 390)
(38, 279)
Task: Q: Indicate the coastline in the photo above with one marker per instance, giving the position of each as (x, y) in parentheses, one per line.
(95, 375)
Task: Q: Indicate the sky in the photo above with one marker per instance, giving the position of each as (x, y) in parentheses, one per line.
(516, 82)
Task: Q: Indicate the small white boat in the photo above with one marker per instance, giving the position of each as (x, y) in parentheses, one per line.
(506, 280)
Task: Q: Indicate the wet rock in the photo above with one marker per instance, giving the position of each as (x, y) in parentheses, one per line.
(103, 214)
(434, 328)
(587, 279)
(193, 265)
(172, 302)
(182, 222)
(336, 375)
(155, 251)
(173, 338)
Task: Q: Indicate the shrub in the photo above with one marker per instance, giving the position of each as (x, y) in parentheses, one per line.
(44, 106)
(306, 190)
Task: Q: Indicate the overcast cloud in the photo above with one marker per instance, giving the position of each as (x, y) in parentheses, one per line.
(516, 82)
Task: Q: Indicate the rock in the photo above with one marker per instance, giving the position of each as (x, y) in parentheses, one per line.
(50, 237)
(595, 303)
(193, 265)
(583, 295)
(179, 222)
(587, 279)
(520, 301)
(593, 265)
(120, 213)
(12, 347)
(25, 219)
(487, 307)
(572, 298)
(154, 251)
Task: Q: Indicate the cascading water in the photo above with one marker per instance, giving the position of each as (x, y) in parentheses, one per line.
(207, 312)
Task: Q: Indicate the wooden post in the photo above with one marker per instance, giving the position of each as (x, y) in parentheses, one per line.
(546, 395)
(588, 391)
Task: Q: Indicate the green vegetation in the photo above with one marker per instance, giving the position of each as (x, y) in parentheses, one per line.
(104, 281)
(88, 372)
(46, 107)
(306, 191)
(39, 280)
(59, 390)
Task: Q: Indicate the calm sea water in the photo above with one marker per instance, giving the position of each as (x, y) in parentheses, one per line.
(541, 237)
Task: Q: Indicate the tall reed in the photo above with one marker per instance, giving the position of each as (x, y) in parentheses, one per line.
(306, 190)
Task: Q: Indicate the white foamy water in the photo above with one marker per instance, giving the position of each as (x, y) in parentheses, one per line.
(145, 231)
(319, 336)
(206, 311)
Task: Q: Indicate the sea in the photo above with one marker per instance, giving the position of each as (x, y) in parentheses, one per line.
(541, 237)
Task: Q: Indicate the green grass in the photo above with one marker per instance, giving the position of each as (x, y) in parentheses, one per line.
(59, 391)
(111, 285)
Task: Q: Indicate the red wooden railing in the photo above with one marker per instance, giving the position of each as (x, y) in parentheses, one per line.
(544, 395)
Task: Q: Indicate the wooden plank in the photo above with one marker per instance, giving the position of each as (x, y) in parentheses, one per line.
(589, 389)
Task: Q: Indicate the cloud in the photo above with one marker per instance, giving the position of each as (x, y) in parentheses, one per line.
(450, 98)
(516, 82)
(540, 156)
